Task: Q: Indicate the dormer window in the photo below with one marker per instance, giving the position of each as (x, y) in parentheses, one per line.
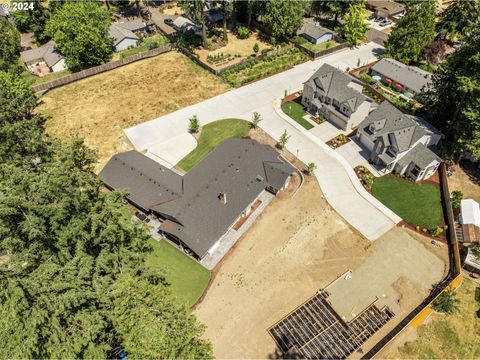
(372, 128)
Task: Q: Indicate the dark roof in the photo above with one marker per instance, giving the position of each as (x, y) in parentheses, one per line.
(313, 29)
(387, 6)
(411, 76)
(335, 84)
(394, 125)
(148, 182)
(239, 168)
(48, 52)
(159, 18)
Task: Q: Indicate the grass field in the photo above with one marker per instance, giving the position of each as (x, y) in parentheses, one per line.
(100, 107)
(296, 112)
(417, 204)
(211, 136)
(455, 336)
(188, 279)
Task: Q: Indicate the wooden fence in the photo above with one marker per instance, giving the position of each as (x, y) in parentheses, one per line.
(101, 68)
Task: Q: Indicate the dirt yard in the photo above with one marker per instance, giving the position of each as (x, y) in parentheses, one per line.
(466, 179)
(235, 46)
(100, 107)
(297, 246)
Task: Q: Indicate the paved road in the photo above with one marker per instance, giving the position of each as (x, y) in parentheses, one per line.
(336, 178)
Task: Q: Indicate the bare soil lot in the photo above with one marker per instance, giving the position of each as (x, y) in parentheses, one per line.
(100, 107)
(466, 179)
(297, 246)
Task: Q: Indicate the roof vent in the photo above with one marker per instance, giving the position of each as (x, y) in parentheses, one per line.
(222, 197)
(259, 178)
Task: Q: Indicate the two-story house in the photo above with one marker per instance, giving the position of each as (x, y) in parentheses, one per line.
(337, 97)
(399, 142)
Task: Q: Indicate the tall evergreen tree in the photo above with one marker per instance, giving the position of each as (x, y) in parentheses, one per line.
(413, 33)
(459, 18)
(283, 17)
(9, 45)
(355, 26)
(454, 103)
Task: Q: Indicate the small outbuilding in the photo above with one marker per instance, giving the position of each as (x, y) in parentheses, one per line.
(126, 35)
(44, 59)
(314, 32)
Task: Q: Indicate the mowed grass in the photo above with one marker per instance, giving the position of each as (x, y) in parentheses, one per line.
(211, 136)
(455, 336)
(296, 112)
(187, 278)
(417, 204)
(98, 108)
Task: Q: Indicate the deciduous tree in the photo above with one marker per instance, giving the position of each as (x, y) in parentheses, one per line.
(355, 26)
(80, 30)
(413, 33)
(283, 17)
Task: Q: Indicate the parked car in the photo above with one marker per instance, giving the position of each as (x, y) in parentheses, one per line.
(379, 19)
(385, 22)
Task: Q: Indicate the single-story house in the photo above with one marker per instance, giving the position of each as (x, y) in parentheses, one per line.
(164, 22)
(409, 80)
(314, 32)
(127, 34)
(385, 8)
(196, 210)
(470, 220)
(336, 96)
(44, 59)
(399, 142)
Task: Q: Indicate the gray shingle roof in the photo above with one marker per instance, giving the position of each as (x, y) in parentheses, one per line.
(389, 122)
(311, 28)
(420, 155)
(239, 168)
(334, 83)
(411, 76)
(387, 6)
(119, 33)
(47, 52)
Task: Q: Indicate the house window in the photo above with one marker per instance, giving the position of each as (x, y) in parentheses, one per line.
(392, 151)
(415, 171)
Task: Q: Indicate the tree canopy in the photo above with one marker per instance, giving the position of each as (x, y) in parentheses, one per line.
(332, 8)
(9, 45)
(80, 30)
(459, 18)
(283, 17)
(413, 33)
(454, 103)
(355, 26)
(34, 20)
(73, 280)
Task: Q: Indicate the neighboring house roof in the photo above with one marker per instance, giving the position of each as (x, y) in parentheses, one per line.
(410, 76)
(335, 84)
(47, 52)
(420, 155)
(386, 6)
(238, 168)
(377, 36)
(470, 210)
(121, 31)
(133, 25)
(395, 126)
(313, 29)
(159, 20)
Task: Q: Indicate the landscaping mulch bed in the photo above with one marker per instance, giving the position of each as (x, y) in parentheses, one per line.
(317, 120)
(338, 141)
(365, 176)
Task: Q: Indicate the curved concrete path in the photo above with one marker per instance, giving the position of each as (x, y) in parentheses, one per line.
(344, 193)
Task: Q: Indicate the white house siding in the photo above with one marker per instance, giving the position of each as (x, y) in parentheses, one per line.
(430, 169)
(59, 66)
(125, 44)
(358, 116)
(324, 38)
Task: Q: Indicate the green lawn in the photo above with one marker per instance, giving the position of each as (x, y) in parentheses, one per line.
(144, 44)
(296, 112)
(314, 47)
(211, 136)
(37, 80)
(418, 204)
(188, 279)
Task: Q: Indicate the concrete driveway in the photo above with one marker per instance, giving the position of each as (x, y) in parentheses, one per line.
(335, 176)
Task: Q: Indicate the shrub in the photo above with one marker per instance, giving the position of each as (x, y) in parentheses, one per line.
(243, 32)
(446, 302)
(194, 124)
(457, 197)
(256, 48)
(273, 41)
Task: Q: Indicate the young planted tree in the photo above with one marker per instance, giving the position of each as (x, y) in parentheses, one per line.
(283, 140)
(459, 18)
(194, 124)
(9, 45)
(413, 33)
(256, 119)
(311, 167)
(355, 26)
(255, 48)
(80, 30)
(453, 104)
(283, 17)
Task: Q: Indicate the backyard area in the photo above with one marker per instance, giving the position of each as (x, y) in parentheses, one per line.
(145, 44)
(455, 336)
(187, 278)
(417, 204)
(259, 68)
(296, 111)
(97, 108)
(314, 47)
(211, 135)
